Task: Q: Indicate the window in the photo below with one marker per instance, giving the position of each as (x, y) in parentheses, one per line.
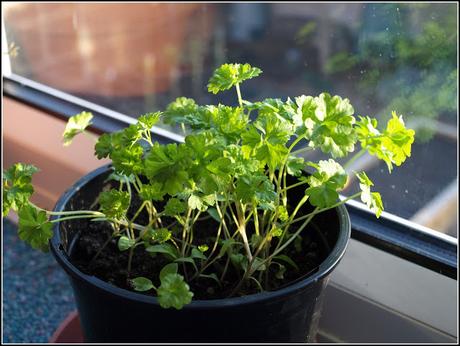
(383, 57)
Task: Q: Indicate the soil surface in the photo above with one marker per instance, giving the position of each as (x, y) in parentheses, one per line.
(111, 264)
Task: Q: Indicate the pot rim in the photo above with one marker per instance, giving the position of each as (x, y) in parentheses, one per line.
(325, 267)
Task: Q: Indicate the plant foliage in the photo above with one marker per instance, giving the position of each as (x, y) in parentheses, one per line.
(232, 170)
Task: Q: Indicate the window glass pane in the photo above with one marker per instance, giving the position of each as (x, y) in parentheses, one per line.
(136, 58)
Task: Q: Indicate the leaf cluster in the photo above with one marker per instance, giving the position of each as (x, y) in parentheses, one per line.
(231, 170)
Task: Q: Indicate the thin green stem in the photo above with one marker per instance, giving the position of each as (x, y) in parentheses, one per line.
(303, 182)
(72, 218)
(256, 220)
(292, 238)
(227, 262)
(130, 259)
(324, 209)
(354, 158)
(283, 166)
(139, 211)
(184, 232)
(238, 92)
(240, 210)
(93, 212)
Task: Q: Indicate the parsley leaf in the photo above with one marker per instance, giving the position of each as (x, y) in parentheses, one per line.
(228, 121)
(128, 160)
(255, 188)
(175, 206)
(295, 166)
(17, 186)
(228, 75)
(75, 125)
(277, 107)
(324, 183)
(167, 164)
(372, 199)
(114, 203)
(105, 145)
(34, 227)
(393, 145)
(147, 121)
(161, 235)
(152, 192)
(328, 123)
(174, 292)
(266, 140)
(182, 110)
(200, 202)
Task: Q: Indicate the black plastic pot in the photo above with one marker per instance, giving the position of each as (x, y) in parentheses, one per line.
(112, 314)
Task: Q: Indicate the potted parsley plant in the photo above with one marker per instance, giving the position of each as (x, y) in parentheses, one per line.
(229, 236)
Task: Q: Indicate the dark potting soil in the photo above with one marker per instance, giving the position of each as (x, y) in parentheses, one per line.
(111, 264)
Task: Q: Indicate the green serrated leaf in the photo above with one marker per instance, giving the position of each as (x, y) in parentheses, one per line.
(328, 124)
(276, 232)
(266, 139)
(168, 165)
(228, 122)
(201, 202)
(161, 235)
(75, 125)
(147, 121)
(104, 146)
(194, 202)
(372, 199)
(152, 192)
(295, 166)
(255, 188)
(142, 284)
(325, 182)
(114, 203)
(34, 227)
(392, 146)
(128, 160)
(220, 166)
(398, 140)
(175, 207)
(282, 213)
(364, 179)
(182, 110)
(228, 75)
(174, 292)
(17, 186)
